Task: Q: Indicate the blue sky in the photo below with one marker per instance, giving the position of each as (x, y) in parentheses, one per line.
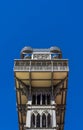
(42, 24)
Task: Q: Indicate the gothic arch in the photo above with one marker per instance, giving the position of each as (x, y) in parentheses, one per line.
(33, 120)
(48, 120)
(38, 120)
(44, 120)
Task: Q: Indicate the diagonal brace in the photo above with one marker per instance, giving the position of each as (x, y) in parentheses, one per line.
(57, 86)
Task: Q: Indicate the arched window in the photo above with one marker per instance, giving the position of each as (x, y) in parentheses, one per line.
(34, 99)
(33, 120)
(43, 120)
(48, 120)
(38, 121)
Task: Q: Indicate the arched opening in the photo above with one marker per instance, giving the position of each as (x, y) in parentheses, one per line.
(32, 120)
(33, 99)
(38, 121)
(48, 120)
(43, 120)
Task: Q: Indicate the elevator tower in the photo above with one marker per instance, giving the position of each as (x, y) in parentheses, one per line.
(41, 77)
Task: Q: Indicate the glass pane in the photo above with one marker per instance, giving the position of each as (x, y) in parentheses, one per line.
(49, 120)
(48, 99)
(43, 99)
(44, 120)
(38, 99)
(33, 120)
(33, 99)
(38, 121)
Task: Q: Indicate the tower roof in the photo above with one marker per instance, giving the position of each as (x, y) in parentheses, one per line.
(28, 49)
(55, 49)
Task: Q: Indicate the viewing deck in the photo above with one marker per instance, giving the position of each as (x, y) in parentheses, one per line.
(34, 65)
(40, 128)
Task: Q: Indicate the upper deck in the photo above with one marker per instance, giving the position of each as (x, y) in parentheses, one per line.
(41, 65)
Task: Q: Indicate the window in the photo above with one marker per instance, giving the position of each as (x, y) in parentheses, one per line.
(43, 120)
(48, 120)
(43, 99)
(38, 99)
(48, 99)
(34, 99)
(38, 121)
(33, 120)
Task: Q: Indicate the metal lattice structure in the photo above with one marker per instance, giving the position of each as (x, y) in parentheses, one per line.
(41, 78)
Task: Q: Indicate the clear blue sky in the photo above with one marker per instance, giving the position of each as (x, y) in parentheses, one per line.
(41, 23)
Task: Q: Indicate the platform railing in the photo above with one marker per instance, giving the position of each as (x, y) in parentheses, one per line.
(41, 68)
(25, 65)
(40, 128)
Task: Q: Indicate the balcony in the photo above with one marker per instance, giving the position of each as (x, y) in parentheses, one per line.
(40, 128)
(26, 65)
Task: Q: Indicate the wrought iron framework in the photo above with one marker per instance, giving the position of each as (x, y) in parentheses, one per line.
(58, 86)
